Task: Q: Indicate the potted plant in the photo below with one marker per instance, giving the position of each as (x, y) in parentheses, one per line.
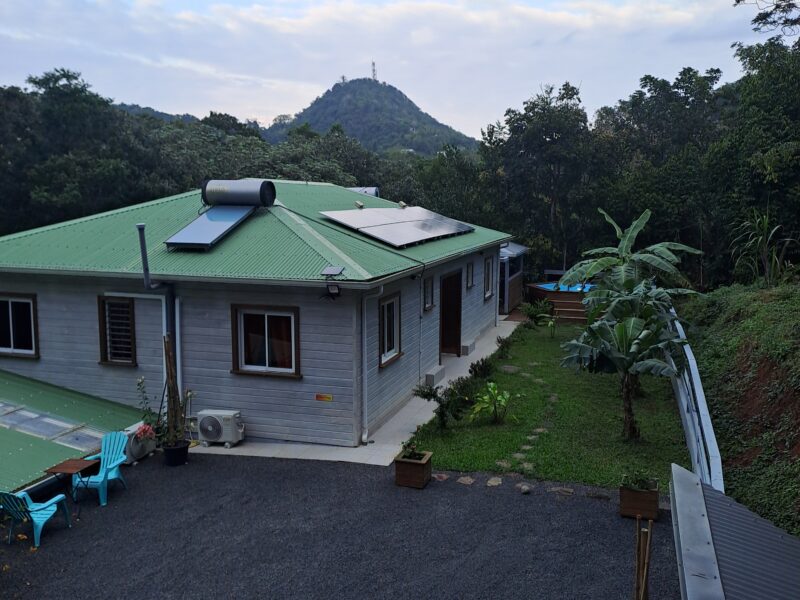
(638, 496)
(144, 440)
(412, 468)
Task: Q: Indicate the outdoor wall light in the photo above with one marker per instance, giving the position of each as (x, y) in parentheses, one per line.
(334, 291)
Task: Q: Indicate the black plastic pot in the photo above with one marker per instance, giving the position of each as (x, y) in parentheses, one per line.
(177, 455)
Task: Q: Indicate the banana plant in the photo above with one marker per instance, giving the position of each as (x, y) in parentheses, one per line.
(641, 299)
(622, 265)
(630, 347)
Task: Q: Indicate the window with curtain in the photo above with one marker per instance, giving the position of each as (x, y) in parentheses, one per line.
(266, 340)
(18, 335)
(389, 329)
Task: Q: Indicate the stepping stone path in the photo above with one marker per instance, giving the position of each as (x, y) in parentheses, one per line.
(441, 476)
(539, 381)
(465, 480)
(494, 482)
(524, 488)
(503, 464)
(526, 466)
(553, 398)
(534, 364)
(526, 447)
(598, 496)
(540, 430)
(518, 455)
(533, 438)
(510, 369)
(563, 491)
(525, 375)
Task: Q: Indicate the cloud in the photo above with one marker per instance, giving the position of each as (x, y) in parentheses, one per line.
(463, 61)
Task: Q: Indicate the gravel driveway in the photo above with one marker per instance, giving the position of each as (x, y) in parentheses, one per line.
(237, 527)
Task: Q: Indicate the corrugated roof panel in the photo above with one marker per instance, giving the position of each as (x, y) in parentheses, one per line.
(755, 558)
(290, 241)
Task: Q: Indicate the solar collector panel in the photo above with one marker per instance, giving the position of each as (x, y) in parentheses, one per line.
(399, 227)
(210, 227)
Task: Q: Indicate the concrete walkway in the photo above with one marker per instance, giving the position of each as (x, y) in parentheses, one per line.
(385, 442)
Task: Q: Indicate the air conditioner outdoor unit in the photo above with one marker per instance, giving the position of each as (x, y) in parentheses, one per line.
(220, 426)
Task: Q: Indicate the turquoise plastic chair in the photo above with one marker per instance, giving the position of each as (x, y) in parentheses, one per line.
(21, 508)
(112, 455)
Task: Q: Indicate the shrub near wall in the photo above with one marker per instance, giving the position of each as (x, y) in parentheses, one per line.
(747, 344)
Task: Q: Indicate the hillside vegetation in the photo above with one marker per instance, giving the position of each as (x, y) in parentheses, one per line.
(378, 115)
(747, 342)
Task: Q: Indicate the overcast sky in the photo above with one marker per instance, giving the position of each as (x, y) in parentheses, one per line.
(464, 62)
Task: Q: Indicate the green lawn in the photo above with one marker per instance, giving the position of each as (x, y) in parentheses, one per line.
(582, 413)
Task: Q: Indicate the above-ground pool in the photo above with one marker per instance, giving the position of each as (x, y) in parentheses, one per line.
(554, 287)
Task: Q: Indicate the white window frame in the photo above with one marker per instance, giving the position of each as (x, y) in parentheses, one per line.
(386, 354)
(470, 275)
(11, 351)
(488, 282)
(243, 366)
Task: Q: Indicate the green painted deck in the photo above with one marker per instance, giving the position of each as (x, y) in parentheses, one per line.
(24, 457)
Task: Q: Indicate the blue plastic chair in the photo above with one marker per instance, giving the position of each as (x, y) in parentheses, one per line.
(21, 508)
(112, 455)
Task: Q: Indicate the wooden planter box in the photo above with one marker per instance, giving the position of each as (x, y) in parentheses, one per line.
(413, 473)
(643, 503)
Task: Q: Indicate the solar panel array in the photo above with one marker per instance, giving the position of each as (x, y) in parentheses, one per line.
(399, 227)
(210, 227)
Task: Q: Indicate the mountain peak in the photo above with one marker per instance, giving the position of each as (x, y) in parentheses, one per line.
(378, 115)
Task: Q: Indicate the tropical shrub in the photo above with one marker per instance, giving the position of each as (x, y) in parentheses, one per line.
(504, 346)
(759, 248)
(482, 368)
(493, 403)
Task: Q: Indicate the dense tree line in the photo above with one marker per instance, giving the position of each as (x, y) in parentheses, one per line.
(698, 154)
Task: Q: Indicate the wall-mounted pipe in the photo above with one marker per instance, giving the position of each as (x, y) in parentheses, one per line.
(145, 263)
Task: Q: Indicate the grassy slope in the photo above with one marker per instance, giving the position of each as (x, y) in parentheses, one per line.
(584, 443)
(747, 342)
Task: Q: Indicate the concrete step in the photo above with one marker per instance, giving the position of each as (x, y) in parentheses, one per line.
(568, 304)
(570, 319)
(578, 312)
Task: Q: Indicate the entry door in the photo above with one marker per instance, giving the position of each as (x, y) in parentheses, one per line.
(450, 314)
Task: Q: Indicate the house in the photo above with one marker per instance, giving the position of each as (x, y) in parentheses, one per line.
(512, 289)
(726, 551)
(312, 309)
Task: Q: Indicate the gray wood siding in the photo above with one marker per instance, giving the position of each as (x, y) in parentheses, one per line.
(275, 408)
(391, 386)
(69, 345)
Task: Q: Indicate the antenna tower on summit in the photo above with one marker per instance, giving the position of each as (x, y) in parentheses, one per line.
(374, 71)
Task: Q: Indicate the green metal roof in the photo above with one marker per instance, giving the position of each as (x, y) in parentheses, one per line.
(290, 241)
(24, 457)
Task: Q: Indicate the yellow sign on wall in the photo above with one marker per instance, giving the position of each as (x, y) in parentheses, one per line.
(324, 397)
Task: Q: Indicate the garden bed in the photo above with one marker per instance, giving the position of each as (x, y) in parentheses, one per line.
(578, 417)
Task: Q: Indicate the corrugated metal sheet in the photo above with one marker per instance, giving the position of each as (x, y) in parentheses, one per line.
(755, 558)
(290, 242)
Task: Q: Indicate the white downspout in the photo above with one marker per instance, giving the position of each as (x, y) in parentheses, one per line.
(364, 403)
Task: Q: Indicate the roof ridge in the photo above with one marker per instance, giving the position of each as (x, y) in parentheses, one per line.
(93, 217)
(299, 219)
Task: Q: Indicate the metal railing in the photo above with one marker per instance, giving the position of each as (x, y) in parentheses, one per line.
(697, 427)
